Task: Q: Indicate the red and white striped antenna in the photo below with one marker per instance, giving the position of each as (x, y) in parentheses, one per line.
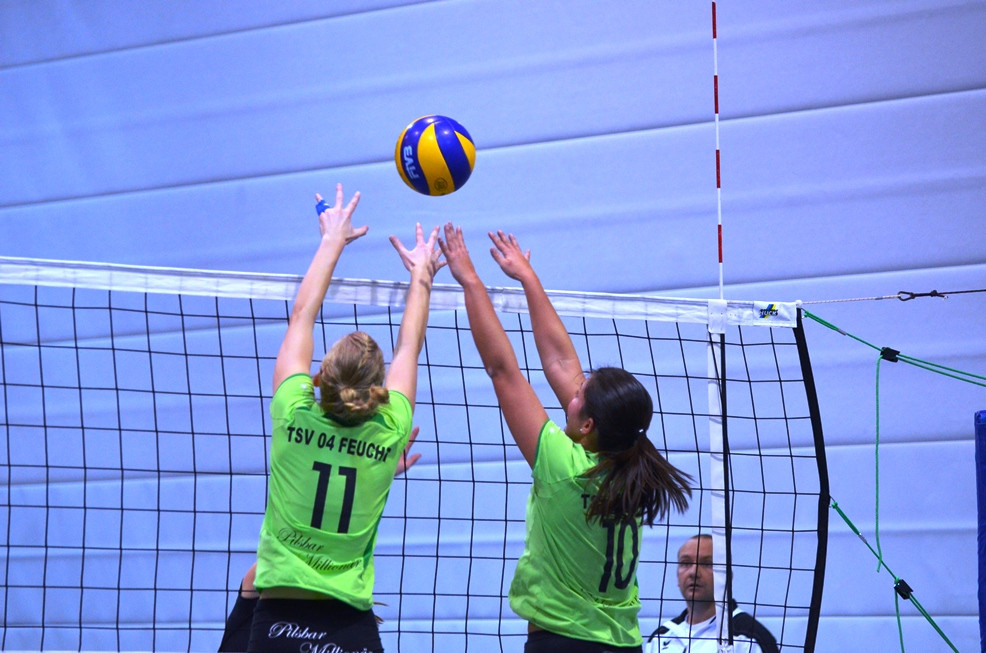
(715, 86)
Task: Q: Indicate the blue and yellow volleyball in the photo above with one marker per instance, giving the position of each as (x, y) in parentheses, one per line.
(435, 155)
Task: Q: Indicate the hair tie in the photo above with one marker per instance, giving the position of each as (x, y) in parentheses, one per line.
(634, 440)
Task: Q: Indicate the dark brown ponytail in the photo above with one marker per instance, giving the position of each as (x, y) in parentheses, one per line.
(632, 479)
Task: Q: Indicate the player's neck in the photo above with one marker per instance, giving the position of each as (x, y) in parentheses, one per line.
(701, 611)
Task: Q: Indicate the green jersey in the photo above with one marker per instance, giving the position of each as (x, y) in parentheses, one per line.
(575, 578)
(326, 494)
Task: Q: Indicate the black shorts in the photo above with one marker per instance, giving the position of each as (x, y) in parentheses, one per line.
(238, 625)
(293, 625)
(541, 641)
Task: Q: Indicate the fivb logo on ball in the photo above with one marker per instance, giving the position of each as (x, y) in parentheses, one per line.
(435, 155)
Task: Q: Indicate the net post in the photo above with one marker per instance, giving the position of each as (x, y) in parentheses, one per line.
(824, 498)
(719, 472)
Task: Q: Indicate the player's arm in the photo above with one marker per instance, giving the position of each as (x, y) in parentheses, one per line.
(558, 357)
(521, 407)
(423, 261)
(295, 355)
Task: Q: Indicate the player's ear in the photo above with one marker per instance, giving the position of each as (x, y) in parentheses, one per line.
(317, 379)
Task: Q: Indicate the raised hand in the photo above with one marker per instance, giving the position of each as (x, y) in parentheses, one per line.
(456, 254)
(335, 221)
(507, 253)
(407, 462)
(425, 256)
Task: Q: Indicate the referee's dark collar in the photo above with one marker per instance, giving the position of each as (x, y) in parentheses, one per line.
(681, 618)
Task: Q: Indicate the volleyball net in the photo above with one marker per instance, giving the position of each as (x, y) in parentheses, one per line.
(134, 477)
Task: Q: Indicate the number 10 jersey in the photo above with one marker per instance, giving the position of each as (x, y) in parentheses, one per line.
(575, 578)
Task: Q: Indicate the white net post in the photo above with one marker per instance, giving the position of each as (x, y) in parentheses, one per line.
(717, 328)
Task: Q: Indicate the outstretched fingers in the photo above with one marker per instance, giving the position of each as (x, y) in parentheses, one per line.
(340, 197)
(404, 252)
(507, 245)
(398, 245)
(436, 252)
(336, 219)
(456, 254)
(424, 252)
(453, 239)
(509, 256)
(433, 236)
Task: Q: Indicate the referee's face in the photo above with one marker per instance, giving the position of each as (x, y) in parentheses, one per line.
(695, 570)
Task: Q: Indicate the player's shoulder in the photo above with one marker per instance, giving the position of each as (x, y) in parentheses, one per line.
(297, 382)
(397, 409)
(295, 389)
(397, 398)
(558, 457)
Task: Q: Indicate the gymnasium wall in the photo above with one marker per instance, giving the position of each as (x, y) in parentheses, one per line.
(852, 167)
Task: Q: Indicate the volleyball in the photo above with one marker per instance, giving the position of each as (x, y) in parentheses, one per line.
(435, 155)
